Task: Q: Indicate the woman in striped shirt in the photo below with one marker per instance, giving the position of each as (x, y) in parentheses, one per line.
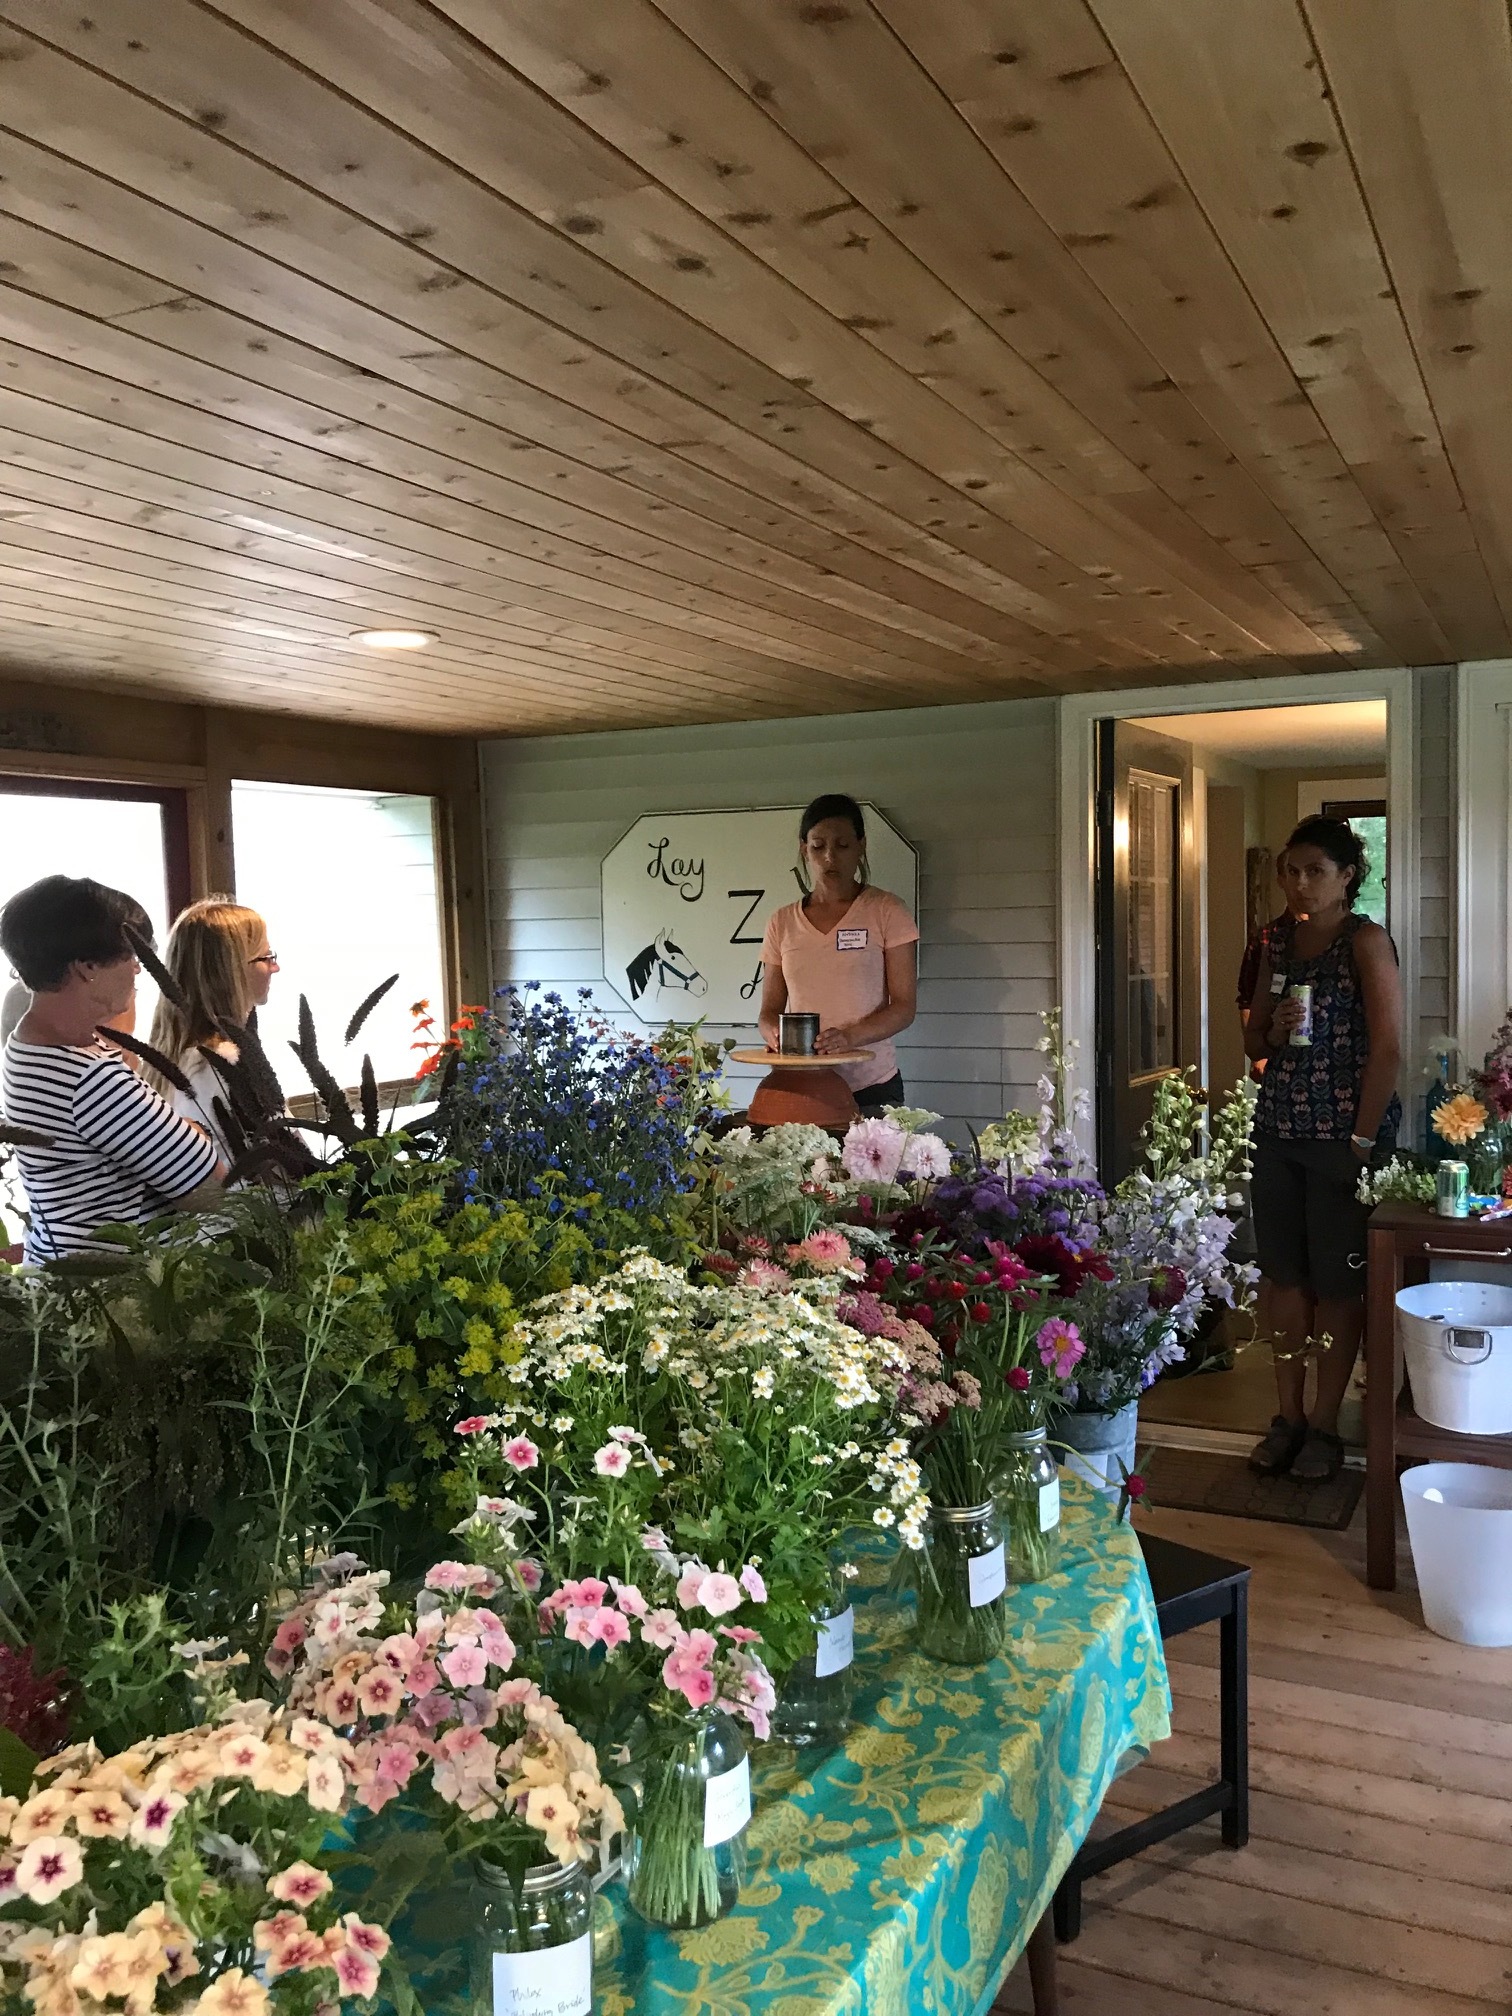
(117, 1154)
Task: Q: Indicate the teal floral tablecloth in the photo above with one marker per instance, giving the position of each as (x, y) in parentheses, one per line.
(904, 1872)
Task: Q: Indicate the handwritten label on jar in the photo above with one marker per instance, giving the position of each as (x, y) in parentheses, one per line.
(727, 1804)
(1049, 1505)
(837, 1645)
(987, 1576)
(555, 1982)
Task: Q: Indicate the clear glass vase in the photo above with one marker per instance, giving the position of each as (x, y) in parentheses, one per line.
(532, 1946)
(1487, 1157)
(1026, 1490)
(685, 1856)
(961, 1581)
(814, 1700)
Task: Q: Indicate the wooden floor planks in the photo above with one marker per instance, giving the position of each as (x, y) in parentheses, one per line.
(1378, 1879)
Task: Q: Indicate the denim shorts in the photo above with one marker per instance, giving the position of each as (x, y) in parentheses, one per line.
(1309, 1223)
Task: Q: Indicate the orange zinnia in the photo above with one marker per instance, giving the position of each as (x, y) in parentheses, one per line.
(1459, 1119)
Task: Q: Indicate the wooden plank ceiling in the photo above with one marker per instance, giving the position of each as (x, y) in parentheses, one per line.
(707, 359)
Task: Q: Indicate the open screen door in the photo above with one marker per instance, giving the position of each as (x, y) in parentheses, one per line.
(1148, 988)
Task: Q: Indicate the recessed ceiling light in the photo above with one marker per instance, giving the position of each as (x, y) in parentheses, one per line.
(394, 640)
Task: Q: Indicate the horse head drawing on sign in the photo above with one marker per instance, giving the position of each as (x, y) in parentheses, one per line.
(664, 965)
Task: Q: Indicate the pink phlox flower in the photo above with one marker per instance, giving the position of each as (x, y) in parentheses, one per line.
(613, 1460)
(654, 1540)
(1060, 1346)
(521, 1453)
(431, 1709)
(611, 1629)
(699, 1646)
(452, 1577)
(380, 1691)
(589, 1592)
(689, 1583)
(628, 1435)
(661, 1629)
(581, 1625)
(357, 1972)
(369, 1939)
(290, 1635)
(751, 1582)
(399, 1652)
(740, 1634)
(423, 1679)
(628, 1597)
(474, 1424)
(695, 1683)
(301, 1883)
(530, 1573)
(465, 1666)
(517, 1693)
(719, 1593)
(152, 1823)
(498, 1646)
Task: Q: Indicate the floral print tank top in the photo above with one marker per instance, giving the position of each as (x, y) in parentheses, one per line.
(1311, 1092)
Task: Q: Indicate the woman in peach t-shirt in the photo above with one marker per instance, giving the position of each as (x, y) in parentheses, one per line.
(845, 953)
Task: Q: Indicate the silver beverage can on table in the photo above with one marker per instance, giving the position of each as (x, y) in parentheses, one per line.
(1452, 1184)
(1301, 1037)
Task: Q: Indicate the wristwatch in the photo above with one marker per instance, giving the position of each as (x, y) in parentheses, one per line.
(1361, 1141)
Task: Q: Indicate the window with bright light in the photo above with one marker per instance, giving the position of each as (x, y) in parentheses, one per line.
(347, 884)
(117, 841)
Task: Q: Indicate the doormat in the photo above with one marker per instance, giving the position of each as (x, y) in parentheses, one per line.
(1197, 1480)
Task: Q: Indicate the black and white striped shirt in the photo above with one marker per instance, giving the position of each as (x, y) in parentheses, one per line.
(119, 1154)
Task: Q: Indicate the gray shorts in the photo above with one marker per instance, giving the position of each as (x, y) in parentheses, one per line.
(1309, 1224)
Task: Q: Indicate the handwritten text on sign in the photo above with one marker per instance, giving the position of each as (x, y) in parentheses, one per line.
(686, 898)
(556, 1982)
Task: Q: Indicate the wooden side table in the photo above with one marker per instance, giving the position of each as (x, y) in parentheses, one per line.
(1402, 1239)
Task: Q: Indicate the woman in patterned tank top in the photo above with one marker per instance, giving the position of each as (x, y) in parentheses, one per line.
(1326, 1109)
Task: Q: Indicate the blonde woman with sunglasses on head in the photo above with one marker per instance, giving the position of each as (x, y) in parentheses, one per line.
(219, 954)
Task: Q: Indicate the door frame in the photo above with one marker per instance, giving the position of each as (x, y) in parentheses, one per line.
(1076, 818)
(1483, 851)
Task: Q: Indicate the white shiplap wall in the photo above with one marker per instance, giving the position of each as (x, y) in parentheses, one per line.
(973, 789)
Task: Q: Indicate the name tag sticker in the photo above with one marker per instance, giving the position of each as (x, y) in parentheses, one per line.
(853, 940)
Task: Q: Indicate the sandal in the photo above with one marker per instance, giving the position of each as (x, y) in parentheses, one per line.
(1277, 1450)
(1320, 1458)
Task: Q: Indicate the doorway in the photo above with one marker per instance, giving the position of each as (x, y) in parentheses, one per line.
(1253, 774)
(1149, 994)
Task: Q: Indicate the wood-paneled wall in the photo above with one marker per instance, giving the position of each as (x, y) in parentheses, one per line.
(67, 731)
(973, 788)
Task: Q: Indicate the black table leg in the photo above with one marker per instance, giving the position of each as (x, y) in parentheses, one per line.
(1233, 1716)
(1067, 1906)
(1044, 1983)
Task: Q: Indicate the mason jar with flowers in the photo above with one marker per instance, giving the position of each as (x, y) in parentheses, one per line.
(997, 1353)
(493, 1808)
(744, 1419)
